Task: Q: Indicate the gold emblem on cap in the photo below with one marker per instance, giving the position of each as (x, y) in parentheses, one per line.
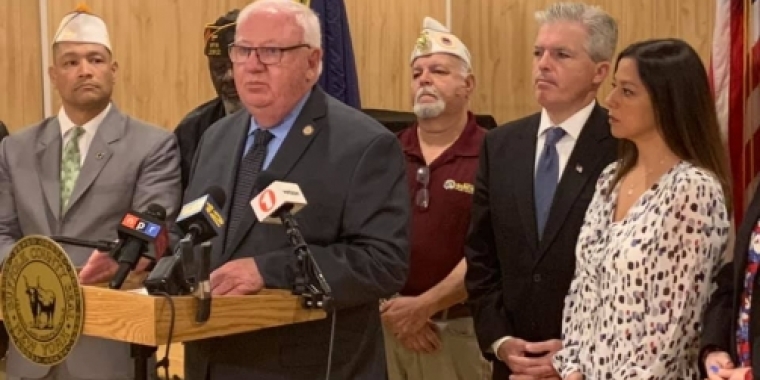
(308, 130)
(42, 304)
(423, 43)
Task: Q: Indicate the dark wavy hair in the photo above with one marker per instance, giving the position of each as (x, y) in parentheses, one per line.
(684, 108)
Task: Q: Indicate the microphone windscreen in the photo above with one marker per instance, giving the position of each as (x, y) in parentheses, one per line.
(157, 211)
(217, 194)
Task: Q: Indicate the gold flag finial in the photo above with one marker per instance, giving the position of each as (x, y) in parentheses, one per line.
(83, 8)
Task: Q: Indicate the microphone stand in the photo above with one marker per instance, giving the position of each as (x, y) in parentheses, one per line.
(101, 245)
(182, 273)
(170, 274)
(202, 292)
(310, 282)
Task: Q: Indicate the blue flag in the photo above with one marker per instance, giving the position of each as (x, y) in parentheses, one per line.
(339, 77)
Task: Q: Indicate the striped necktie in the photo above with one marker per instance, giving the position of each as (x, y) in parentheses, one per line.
(250, 167)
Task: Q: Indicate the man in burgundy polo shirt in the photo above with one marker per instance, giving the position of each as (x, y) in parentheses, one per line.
(429, 332)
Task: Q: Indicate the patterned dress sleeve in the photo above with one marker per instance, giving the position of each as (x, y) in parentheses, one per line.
(576, 314)
(680, 264)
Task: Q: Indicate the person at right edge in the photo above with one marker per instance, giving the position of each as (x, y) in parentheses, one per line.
(218, 37)
(535, 180)
(428, 328)
(730, 336)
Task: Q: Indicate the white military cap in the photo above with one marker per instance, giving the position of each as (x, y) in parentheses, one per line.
(83, 27)
(436, 38)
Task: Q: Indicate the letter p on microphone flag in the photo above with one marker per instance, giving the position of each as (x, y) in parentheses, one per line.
(735, 75)
(339, 78)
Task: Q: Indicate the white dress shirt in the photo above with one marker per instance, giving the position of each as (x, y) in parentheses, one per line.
(90, 128)
(573, 127)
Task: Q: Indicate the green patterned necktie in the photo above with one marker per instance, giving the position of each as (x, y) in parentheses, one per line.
(70, 165)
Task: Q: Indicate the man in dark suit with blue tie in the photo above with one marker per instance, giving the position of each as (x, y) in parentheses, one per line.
(536, 178)
(351, 171)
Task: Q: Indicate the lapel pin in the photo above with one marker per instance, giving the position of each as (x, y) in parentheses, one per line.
(100, 155)
(578, 168)
(308, 130)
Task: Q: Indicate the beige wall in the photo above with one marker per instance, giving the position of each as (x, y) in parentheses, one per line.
(20, 57)
(500, 36)
(163, 73)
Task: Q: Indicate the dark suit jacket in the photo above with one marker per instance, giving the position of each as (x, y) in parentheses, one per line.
(722, 313)
(516, 284)
(351, 171)
(190, 130)
(3, 131)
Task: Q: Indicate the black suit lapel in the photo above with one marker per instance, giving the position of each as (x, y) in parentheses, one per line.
(524, 172)
(579, 169)
(307, 126)
(231, 151)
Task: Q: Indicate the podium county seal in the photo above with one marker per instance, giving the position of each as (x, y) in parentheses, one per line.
(42, 300)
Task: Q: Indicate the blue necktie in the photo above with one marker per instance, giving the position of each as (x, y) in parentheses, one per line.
(250, 167)
(547, 175)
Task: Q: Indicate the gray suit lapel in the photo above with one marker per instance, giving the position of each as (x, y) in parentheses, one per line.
(111, 129)
(49, 164)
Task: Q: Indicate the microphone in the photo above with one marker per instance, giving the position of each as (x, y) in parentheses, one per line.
(200, 220)
(136, 231)
(278, 200)
(276, 204)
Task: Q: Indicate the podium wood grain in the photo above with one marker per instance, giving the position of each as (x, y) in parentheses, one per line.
(131, 317)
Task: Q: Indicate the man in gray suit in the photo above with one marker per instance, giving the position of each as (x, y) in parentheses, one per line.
(351, 171)
(77, 174)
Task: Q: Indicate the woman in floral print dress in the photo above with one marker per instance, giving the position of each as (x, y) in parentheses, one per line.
(656, 228)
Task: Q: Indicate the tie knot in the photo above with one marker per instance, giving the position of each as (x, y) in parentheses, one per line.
(77, 132)
(553, 135)
(262, 137)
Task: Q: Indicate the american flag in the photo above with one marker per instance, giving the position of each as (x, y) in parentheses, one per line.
(735, 74)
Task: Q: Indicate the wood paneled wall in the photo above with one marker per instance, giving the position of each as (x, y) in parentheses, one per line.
(20, 57)
(383, 34)
(500, 37)
(163, 73)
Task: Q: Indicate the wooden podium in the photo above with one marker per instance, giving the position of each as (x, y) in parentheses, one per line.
(144, 320)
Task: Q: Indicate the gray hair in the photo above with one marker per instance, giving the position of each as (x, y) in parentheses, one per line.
(305, 17)
(601, 27)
